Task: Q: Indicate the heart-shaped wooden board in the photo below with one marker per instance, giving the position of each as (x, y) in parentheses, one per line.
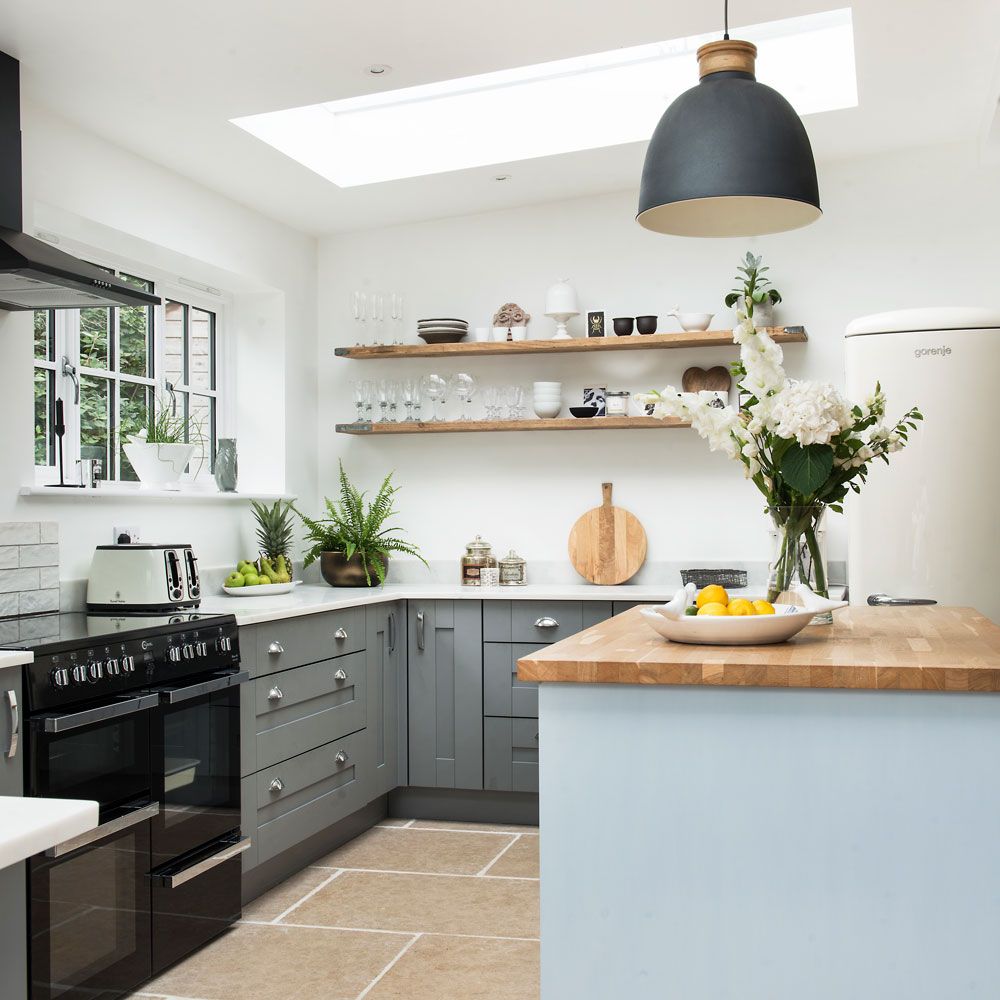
(716, 379)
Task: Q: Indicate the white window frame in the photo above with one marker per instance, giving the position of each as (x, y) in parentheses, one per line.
(67, 344)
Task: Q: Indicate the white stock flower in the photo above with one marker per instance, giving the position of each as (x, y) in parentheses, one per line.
(810, 412)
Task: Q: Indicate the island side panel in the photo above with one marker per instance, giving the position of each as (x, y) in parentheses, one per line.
(767, 844)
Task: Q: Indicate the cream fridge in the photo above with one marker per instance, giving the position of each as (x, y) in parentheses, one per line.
(928, 527)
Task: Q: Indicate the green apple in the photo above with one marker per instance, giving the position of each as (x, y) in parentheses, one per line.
(235, 580)
(243, 565)
(250, 579)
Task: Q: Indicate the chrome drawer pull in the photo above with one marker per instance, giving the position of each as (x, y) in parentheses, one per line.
(341, 633)
(15, 724)
(112, 826)
(342, 757)
(339, 675)
(275, 648)
(275, 694)
(200, 867)
(277, 785)
(546, 622)
(420, 630)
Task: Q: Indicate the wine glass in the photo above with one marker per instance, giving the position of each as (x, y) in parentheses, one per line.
(397, 318)
(378, 317)
(359, 302)
(490, 396)
(411, 395)
(382, 391)
(358, 386)
(463, 388)
(392, 398)
(435, 389)
(368, 392)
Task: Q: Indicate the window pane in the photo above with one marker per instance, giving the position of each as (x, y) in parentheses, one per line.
(202, 433)
(45, 338)
(95, 338)
(141, 283)
(95, 413)
(134, 409)
(134, 341)
(44, 404)
(202, 350)
(175, 343)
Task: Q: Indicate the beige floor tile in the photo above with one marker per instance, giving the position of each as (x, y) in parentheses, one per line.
(275, 901)
(417, 851)
(256, 962)
(520, 860)
(440, 903)
(448, 968)
(440, 824)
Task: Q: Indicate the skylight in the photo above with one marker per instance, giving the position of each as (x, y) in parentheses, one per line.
(585, 102)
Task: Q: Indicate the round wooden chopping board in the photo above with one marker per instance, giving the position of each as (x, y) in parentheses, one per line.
(607, 545)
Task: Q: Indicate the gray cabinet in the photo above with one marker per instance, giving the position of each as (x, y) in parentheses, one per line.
(445, 694)
(13, 911)
(510, 758)
(503, 693)
(291, 642)
(385, 640)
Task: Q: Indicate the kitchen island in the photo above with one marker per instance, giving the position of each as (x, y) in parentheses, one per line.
(815, 819)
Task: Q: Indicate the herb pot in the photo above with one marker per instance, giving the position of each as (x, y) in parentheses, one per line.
(645, 324)
(339, 571)
(159, 465)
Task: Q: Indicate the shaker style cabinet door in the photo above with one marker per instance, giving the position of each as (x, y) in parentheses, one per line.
(14, 908)
(445, 696)
(385, 626)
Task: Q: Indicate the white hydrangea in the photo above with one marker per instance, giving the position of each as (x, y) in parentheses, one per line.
(810, 412)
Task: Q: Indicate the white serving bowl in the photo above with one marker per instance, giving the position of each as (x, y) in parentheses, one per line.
(547, 410)
(693, 321)
(546, 385)
(548, 396)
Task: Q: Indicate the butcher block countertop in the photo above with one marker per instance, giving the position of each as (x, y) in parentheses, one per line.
(911, 649)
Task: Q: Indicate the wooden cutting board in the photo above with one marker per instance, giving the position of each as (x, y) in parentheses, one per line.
(607, 545)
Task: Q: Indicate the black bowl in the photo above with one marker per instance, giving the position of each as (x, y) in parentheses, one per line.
(583, 411)
(645, 324)
(623, 325)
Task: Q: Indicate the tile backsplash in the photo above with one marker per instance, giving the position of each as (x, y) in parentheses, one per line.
(29, 567)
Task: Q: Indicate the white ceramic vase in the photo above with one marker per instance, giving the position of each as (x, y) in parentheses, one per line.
(159, 466)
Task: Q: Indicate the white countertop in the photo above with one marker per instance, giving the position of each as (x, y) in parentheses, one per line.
(14, 658)
(28, 826)
(309, 599)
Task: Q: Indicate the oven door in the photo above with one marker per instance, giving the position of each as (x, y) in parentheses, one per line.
(89, 916)
(196, 764)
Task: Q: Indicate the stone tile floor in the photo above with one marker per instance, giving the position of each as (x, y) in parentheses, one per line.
(410, 910)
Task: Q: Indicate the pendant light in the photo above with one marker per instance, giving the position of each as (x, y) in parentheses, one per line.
(729, 157)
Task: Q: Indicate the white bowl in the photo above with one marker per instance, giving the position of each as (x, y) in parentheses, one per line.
(693, 321)
(670, 621)
(546, 385)
(548, 410)
(546, 395)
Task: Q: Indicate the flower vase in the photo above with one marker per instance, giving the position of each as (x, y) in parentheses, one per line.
(798, 555)
(226, 465)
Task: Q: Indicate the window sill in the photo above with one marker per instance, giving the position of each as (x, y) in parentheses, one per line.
(117, 492)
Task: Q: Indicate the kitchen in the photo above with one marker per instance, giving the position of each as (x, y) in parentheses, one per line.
(142, 181)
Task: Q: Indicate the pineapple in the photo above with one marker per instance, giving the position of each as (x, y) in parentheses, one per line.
(274, 536)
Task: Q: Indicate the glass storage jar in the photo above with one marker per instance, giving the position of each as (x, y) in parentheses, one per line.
(478, 556)
(512, 570)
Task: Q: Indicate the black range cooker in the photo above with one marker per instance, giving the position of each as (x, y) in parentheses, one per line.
(141, 714)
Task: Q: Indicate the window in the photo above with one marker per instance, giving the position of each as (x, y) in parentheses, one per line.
(127, 360)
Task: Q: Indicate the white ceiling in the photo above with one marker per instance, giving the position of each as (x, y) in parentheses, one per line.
(164, 79)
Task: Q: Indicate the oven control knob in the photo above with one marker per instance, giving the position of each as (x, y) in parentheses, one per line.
(174, 654)
(95, 671)
(112, 668)
(79, 674)
(188, 651)
(60, 677)
(225, 644)
(128, 664)
(201, 648)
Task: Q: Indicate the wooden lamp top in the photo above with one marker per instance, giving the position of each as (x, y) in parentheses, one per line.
(727, 56)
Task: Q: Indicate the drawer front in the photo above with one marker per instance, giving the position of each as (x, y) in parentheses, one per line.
(308, 706)
(510, 755)
(291, 642)
(306, 795)
(503, 693)
(531, 621)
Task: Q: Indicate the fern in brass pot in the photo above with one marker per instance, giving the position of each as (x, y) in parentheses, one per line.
(354, 541)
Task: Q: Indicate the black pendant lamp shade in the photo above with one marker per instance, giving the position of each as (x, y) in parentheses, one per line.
(730, 157)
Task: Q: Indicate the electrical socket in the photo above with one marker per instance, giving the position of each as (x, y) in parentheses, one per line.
(128, 535)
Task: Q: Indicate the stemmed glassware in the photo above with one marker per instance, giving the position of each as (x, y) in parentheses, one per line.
(435, 389)
(359, 303)
(378, 317)
(397, 318)
(513, 399)
(491, 398)
(411, 396)
(368, 392)
(463, 387)
(382, 392)
(358, 385)
(392, 397)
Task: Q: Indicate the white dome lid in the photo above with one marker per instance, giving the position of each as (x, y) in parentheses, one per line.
(918, 320)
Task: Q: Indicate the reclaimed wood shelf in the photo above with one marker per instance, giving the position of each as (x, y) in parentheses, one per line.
(576, 345)
(556, 424)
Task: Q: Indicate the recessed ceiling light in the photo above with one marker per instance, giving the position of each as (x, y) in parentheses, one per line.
(585, 102)
(379, 69)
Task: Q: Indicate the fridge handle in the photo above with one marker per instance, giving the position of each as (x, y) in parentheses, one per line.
(885, 601)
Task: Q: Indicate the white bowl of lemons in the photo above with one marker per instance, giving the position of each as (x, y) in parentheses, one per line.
(709, 617)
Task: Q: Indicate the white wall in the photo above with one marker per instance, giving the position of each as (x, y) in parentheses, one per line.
(99, 194)
(909, 229)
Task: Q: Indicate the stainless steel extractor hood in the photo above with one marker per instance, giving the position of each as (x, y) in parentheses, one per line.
(34, 274)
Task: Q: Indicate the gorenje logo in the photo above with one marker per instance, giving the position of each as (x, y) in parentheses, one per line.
(923, 352)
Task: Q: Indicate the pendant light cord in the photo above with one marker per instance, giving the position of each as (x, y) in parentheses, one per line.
(725, 7)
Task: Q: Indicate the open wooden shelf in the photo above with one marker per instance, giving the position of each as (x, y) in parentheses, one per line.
(557, 424)
(577, 345)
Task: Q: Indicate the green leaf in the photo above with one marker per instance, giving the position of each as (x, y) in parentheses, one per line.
(807, 468)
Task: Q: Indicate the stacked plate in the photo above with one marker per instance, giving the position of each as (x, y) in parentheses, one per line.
(442, 331)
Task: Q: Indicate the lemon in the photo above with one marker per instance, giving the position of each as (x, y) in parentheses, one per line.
(712, 594)
(713, 608)
(741, 606)
(763, 607)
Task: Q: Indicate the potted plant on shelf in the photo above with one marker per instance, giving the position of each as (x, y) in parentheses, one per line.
(801, 443)
(160, 444)
(353, 542)
(752, 297)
